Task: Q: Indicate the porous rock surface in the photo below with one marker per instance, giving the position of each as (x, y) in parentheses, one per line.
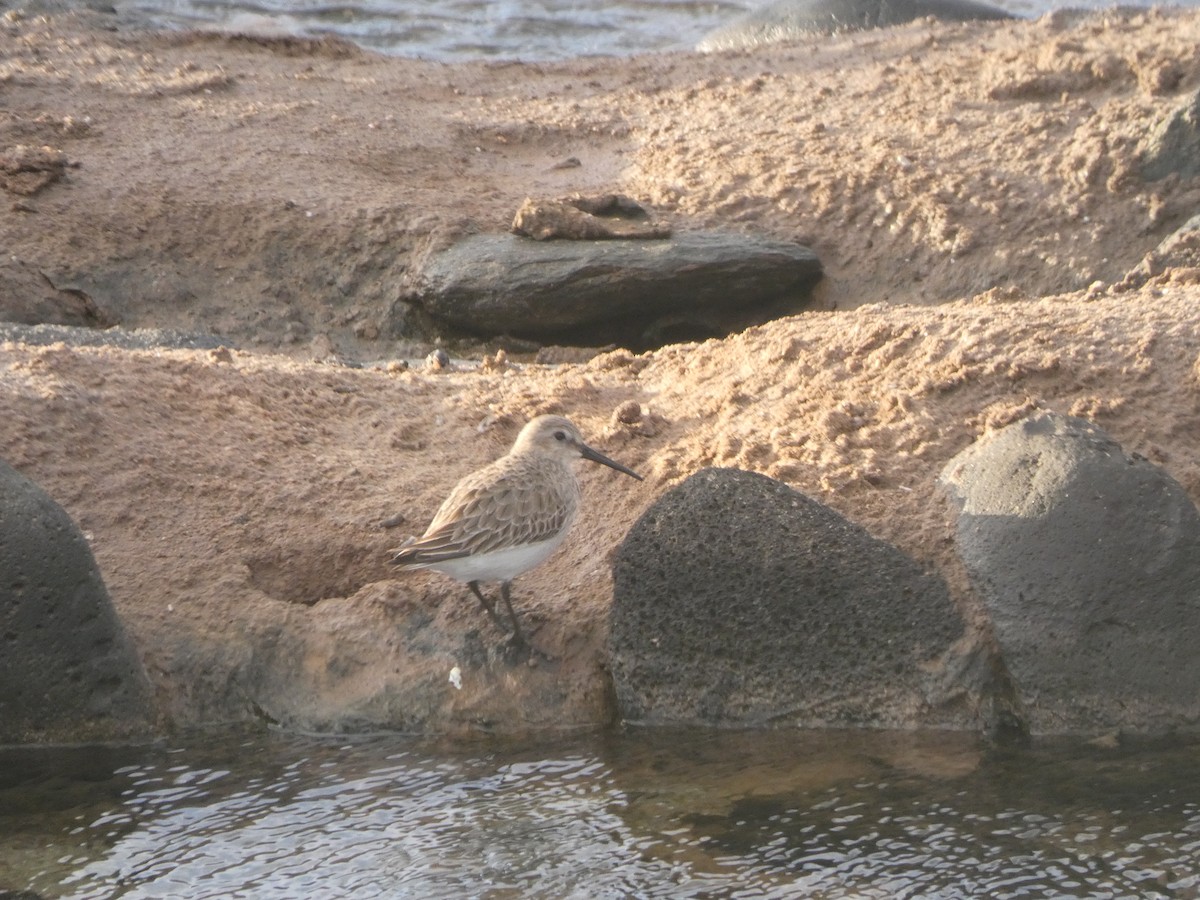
(67, 668)
(738, 600)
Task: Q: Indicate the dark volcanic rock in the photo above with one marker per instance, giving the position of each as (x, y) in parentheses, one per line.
(741, 601)
(637, 293)
(68, 672)
(790, 19)
(1088, 562)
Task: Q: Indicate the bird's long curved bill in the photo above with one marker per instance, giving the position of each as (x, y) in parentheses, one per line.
(596, 456)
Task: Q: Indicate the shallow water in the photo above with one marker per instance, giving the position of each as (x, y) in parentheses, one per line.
(462, 30)
(641, 813)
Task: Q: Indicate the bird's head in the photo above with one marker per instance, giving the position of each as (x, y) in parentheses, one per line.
(557, 436)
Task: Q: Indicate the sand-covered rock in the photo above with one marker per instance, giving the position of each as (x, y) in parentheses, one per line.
(1173, 147)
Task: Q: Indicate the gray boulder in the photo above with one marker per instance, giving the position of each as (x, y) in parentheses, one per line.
(740, 601)
(638, 293)
(1173, 146)
(1088, 563)
(68, 672)
(790, 19)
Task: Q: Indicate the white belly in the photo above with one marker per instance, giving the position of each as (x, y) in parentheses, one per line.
(499, 565)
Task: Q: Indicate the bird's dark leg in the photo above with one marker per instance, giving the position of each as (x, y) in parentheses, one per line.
(518, 634)
(487, 604)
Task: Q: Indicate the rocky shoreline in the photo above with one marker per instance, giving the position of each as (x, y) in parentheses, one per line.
(992, 252)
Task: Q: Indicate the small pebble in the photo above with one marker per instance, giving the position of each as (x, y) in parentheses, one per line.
(628, 413)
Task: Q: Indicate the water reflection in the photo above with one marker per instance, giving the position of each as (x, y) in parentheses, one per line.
(645, 813)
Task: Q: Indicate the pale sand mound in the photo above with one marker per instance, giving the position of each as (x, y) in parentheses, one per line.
(276, 192)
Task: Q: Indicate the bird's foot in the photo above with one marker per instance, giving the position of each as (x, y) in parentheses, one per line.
(518, 649)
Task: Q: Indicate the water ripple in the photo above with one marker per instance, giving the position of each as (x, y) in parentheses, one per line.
(653, 814)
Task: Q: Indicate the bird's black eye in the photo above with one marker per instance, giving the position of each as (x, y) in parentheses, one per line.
(560, 435)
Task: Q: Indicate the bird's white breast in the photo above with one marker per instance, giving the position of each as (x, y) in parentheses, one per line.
(500, 565)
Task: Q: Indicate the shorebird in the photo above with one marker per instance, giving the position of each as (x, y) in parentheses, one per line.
(509, 516)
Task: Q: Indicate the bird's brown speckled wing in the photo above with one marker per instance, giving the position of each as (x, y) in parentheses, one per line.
(514, 501)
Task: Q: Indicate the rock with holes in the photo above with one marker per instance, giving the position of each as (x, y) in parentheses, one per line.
(739, 601)
(68, 672)
(790, 19)
(1088, 562)
(637, 293)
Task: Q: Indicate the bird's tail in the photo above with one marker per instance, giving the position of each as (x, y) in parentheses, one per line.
(403, 555)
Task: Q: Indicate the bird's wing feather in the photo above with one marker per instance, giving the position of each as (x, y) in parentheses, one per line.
(500, 506)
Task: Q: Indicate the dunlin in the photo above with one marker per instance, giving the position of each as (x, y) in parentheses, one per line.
(509, 516)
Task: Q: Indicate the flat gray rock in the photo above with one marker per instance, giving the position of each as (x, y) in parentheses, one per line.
(739, 601)
(68, 672)
(637, 293)
(791, 19)
(1088, 562)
